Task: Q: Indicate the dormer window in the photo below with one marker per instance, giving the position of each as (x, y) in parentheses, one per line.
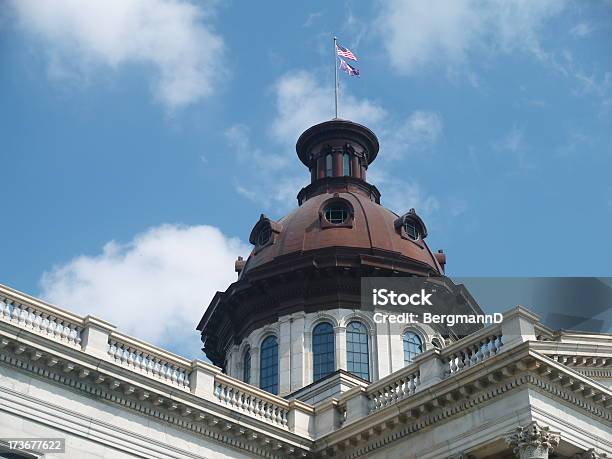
(411, 230)
(264, 235)
(410, 226)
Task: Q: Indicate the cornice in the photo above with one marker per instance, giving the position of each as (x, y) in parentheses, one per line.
(455, 396)
(82, 373)
(244, 417)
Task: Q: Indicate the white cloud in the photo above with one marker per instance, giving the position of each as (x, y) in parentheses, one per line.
(513, 141)
(401, 195)
(238, 138)
(302, 101)
(156, 287)
(581, 30)
(419, 34)
(173, 37)
(418, 132)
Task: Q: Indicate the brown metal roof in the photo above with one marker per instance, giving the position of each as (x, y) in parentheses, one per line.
(372, 228)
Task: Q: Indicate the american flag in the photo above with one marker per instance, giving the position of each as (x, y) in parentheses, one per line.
(345, 52)
(348, 68)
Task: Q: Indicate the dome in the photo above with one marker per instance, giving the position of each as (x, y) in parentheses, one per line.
(372, 230)
(314, 259)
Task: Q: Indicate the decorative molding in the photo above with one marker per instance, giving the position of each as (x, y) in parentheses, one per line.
(164, 407)
(590, 454)
(533, 441)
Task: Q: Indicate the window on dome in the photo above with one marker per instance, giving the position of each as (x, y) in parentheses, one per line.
(246, 371)
(268, 368)
(323, 350)
(264, 235)
(346, 164)
(328, 166)
(411, 230)
(357, 353)
(412, 346)
(336, 213)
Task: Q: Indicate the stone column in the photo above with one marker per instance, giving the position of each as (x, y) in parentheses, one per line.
(284, 356)
(533, 441)
(381, 351)
(298, 349)
(255, 366)
(340, 337)
(308, 364)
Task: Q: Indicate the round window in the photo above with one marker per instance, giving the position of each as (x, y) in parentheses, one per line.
(336, 213)
(264, 235)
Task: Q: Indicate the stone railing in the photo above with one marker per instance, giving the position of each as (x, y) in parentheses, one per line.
(39, 317)
(112, 350)
(392, 389)
(251, 400)
(472, 350)
(148, 360)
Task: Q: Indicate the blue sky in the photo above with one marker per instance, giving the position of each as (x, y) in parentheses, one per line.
(140, 141)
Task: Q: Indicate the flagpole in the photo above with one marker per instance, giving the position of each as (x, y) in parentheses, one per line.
(336, 74)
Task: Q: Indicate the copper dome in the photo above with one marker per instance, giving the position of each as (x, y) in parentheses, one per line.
(372, 229)
(338, 154)
(311, 260)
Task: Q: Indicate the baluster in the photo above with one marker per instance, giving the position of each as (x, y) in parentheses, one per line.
(125, 353)
(45, 324)
(71, 333)
(38, 322)
(29, 317)
(487, 345)
(15, 312)
(476, 355)
(494, 345)
(65, 330)
(23, 314)
(112, 349)
(52, 326)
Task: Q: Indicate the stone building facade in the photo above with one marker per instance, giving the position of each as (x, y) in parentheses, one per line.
(299, 367)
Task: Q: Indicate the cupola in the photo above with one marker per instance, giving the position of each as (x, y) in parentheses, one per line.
(337, 152)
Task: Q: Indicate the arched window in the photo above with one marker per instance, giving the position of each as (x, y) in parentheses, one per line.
(346, 164)
(268, 368)
(412, 346)
(323, 350)
(328, 166)
(246, 371)
(357, 353)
